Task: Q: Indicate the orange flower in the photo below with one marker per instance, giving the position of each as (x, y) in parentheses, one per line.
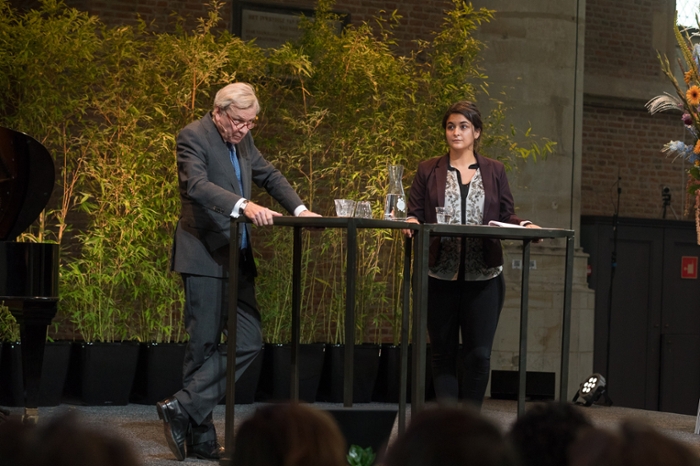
(687, 76)
(693, 95)
(696, 149)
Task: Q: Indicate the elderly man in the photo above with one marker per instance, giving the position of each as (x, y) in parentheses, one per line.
(217, 163)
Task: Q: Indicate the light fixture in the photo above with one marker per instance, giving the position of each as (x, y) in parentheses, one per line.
(591, 390)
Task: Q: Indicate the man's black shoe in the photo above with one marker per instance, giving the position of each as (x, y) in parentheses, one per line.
(209, 450)
(175, 425)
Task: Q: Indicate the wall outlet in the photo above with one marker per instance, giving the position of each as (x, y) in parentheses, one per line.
(518, 264)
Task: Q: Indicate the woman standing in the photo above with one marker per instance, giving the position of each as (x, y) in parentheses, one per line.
(466, 288)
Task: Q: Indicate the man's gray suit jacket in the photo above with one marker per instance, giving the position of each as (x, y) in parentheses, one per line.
(209, 191)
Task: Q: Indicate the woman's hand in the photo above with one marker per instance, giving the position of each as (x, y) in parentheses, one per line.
(532, 225)
(409, 233)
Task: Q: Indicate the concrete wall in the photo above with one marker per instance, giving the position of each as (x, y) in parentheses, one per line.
(545, 315)
(535, 52)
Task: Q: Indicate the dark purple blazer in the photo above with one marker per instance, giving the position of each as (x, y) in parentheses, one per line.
(428, 192)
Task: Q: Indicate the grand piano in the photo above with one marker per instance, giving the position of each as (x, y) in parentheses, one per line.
(28, 271)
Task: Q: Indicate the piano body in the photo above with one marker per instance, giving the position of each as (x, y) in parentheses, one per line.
(28, 271)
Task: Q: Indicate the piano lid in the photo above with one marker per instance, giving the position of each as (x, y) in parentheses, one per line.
(27, 177)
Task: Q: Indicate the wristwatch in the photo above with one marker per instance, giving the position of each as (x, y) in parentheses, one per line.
(242, 207)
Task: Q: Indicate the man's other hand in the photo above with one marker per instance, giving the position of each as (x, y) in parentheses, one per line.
(260, 215)
(308, 213)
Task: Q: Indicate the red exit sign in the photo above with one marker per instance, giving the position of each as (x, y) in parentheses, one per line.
(689, 267)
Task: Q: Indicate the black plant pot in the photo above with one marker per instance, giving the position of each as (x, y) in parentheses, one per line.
(388, 385)
(275, 380)
(365, 368)
(388, 379)
(247, 385)
(101, 374)
(53, 374)
(158, 373)
(429, 385)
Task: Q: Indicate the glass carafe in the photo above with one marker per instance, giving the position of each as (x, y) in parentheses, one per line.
(395, 207)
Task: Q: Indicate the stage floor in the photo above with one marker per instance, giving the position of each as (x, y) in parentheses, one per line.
(140, 425)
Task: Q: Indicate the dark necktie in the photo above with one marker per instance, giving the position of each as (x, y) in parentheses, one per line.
(237, 168)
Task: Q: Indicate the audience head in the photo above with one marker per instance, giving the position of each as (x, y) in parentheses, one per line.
(450, 437)
(289, 434)
(635, 444)
(62, 441)
(544, 433)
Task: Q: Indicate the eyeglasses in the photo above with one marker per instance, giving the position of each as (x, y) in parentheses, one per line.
(239, 124)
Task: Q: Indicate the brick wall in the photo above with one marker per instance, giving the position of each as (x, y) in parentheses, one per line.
(160, 12)
(628, 142)
(420, 17)
(619, 39)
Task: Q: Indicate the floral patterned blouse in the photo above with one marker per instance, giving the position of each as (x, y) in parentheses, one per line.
(450, 258)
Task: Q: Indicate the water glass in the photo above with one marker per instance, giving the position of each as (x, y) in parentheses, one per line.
(344, 207)
(363, 209)
(443, 214)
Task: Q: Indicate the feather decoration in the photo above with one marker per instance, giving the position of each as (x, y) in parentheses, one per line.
(678, 149)
(662, 103)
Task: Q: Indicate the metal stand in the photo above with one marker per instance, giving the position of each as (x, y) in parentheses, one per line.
(351, 225)
(420, 292)
(420, 247)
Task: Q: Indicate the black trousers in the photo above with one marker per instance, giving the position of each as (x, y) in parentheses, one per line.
(474, 308)
(204, 368)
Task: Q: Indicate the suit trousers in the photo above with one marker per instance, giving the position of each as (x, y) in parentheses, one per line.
(472, 307)
(204, 367)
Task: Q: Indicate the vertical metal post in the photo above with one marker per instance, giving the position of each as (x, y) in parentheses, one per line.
(405, 323)
(566, 321)
(296, 313)
(524, 296)
(232, 326)
(351, 271)
(420, 306)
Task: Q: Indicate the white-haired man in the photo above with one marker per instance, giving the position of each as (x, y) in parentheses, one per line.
(217, 163)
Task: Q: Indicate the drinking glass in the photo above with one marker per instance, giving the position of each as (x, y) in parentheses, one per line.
(444, 215)
(344, 207)
(363, 209)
